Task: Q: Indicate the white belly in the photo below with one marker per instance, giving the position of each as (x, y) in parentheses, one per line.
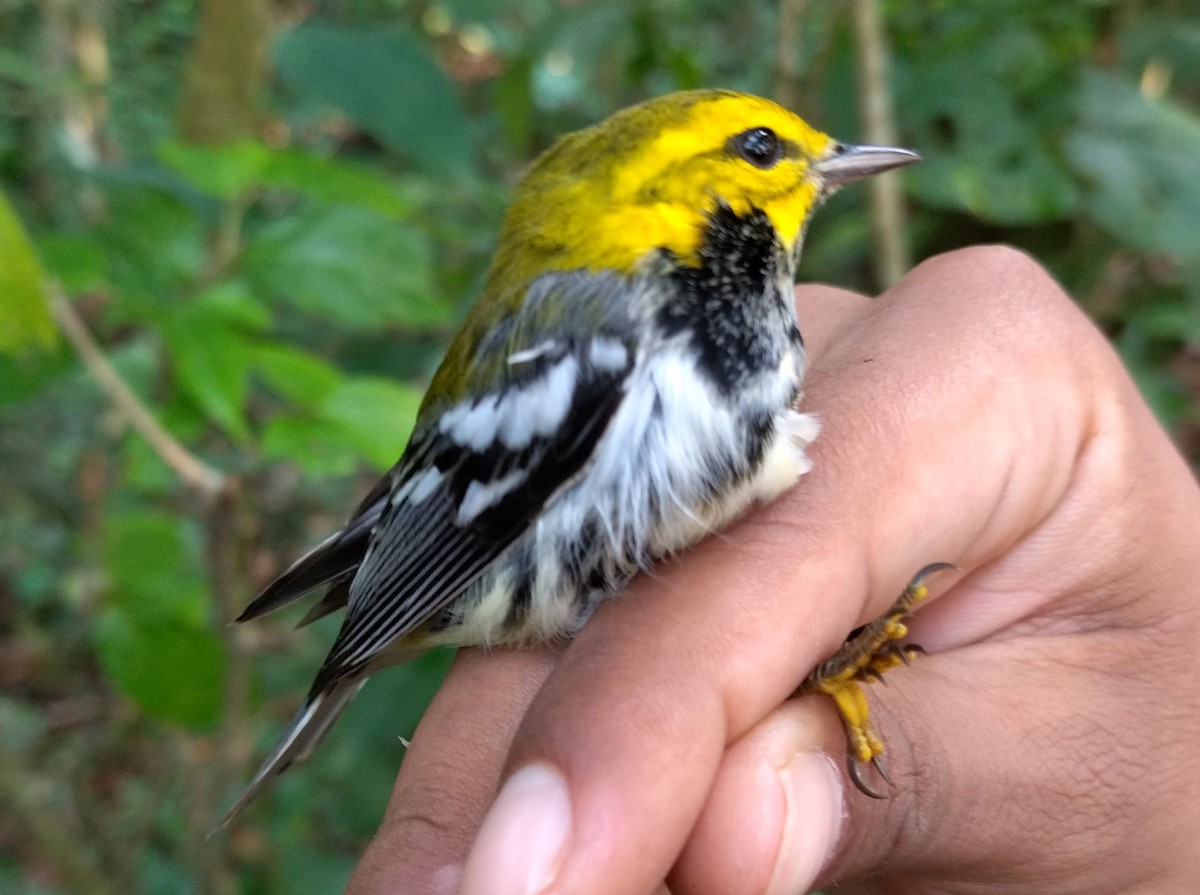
(647, 493)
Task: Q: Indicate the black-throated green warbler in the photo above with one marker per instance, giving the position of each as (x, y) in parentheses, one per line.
(626, 384)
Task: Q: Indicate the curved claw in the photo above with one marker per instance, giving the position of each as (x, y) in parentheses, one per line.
(934, 567)
(855, 771)
(881, 769)
(869, 652)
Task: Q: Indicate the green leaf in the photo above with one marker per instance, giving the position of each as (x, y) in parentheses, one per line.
(1171, 41)
(1170, 317)
(1141, 160)
(25, 321)
(302, 378)
(156, 249)
(211, 339)
(76, 260)
(335, 180)
(144, 470)
(152, 637)
(986, 110)
(387, 82)
(349, 265)
(320, 449)
(377, 416)
(25, 376)
(152, 577)
(173, 671)
(151, 574)
(512, 97)
(22, 68)
(1162, 391)
(227, 171)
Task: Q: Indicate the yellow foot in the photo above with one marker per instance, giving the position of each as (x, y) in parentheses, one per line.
(869, 652)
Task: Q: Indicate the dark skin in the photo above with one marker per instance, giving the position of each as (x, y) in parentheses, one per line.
(1046, 744)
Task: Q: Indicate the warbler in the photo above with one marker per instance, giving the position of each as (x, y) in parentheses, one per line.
(626, 384)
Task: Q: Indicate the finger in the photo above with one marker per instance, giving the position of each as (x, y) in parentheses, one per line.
(775, 811)
(449, 774)
(619, 749)
(1009, 761)
(973, 804)
(1020, 757)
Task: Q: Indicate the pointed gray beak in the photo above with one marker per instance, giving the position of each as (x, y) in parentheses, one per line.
(844, 163)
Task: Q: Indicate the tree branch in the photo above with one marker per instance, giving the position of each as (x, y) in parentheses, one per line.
(889, 220)
(227, 569)
(193, 471)
(787, 53)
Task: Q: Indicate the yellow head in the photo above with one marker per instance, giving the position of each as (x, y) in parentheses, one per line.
(608, 197)
(615, 196)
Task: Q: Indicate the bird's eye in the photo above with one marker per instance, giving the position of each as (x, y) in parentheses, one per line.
(760, 146)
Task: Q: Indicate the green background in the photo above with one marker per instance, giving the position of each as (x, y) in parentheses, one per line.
(269, 218)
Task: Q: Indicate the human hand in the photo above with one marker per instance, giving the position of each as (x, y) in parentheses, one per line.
(1047, 744)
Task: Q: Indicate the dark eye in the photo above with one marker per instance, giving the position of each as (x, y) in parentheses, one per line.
(760, 146)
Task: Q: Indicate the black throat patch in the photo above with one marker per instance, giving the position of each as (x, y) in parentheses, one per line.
(731, 304)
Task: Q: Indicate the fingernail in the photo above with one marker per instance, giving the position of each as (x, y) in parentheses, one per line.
(812, 795)
(522, 839)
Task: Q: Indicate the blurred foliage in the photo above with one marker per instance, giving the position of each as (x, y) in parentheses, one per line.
(277, 301)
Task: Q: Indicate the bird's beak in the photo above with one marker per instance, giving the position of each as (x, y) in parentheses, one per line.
(844, 163)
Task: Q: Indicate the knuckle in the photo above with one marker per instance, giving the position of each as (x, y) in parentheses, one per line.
(1023, 314)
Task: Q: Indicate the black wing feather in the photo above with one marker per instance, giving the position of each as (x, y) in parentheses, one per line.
(334, 559)
(420, 558)
(335, 599)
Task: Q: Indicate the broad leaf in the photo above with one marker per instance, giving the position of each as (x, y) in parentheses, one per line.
(335, 180)
(173, 671)
(302, 378)
(25, 321)
(155, 246)
(387, 82)
(982, 113)
(320, 449)
(226, 172)
(153, 638)
(152, 575)
(211, 339)
(377, 416)
(348, 265)
(1140, 159)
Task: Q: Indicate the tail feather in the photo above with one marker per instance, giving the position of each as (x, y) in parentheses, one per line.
(307, 730)
(334, 559)
(334, 600)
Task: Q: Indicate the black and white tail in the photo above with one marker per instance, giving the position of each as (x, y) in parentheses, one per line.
(307, 730)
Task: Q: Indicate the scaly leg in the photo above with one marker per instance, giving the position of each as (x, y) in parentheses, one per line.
(871, 651)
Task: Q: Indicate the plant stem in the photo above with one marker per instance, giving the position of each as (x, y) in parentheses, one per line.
(889, 220)
(227, 572)
(193, 471)
(787, 53)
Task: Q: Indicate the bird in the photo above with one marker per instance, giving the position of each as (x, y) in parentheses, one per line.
(626, 384)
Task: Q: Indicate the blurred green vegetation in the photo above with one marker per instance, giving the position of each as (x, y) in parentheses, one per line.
(265, 219)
